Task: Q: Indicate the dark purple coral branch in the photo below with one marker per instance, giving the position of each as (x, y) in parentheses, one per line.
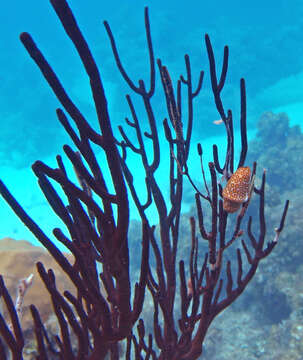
(105, 307)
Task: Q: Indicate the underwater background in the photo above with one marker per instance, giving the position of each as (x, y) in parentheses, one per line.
(266, 48)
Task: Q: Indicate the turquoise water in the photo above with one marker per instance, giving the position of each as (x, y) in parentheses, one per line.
(265, 49)
(265, 41)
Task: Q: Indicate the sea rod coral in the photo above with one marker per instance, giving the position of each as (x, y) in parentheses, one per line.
(105, 314)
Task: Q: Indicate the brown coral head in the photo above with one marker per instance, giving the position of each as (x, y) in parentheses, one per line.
(237, 189)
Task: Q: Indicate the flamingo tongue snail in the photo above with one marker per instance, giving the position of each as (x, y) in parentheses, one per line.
(237, 190)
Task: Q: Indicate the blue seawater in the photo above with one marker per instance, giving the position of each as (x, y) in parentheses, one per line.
(266, 48)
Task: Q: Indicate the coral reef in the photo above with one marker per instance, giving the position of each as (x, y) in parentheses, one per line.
(268, 318)
(278, 148)
(186, 292)
(17, 261)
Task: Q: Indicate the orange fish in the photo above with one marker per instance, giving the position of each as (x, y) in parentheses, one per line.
(218, 122)
(237, 189)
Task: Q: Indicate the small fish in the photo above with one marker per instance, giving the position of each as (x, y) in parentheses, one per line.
(237, 189)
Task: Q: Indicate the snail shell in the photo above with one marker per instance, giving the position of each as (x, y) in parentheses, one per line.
(237, 189)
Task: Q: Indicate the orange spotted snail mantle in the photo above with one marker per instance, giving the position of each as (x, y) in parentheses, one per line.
(237, 189)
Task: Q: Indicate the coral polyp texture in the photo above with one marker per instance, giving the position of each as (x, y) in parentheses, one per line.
(106, 314)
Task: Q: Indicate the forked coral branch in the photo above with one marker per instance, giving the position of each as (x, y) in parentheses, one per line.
(108, 304)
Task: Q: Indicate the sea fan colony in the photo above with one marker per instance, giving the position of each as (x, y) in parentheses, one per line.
(106, 307)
